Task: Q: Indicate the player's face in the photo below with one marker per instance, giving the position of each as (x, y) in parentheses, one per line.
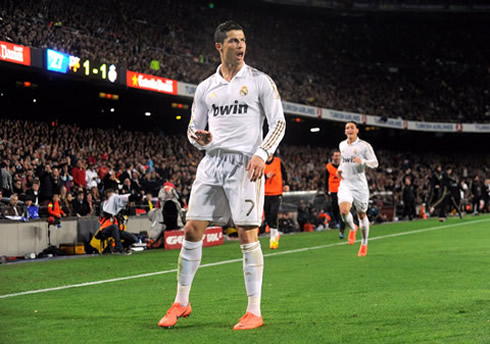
(351, 131)
(233, 48)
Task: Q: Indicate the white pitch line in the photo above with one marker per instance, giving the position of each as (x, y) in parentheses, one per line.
(150, 274)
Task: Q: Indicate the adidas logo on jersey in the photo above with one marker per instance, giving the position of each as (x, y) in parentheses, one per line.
(230, 109)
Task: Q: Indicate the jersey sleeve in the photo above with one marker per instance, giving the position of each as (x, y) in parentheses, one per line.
(341, 165)
(199, 117)
(370, 159)
(274, 113)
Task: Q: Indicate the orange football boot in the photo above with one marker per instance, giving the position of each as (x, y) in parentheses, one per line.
(173, 313)
(352, 236)
(362, 251)
(274, 244)
(249, 321)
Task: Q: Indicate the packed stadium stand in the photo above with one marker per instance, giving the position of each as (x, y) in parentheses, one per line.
(416, 67)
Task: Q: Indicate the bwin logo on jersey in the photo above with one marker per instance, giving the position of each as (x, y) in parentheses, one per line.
(230, 109)
(348, 160)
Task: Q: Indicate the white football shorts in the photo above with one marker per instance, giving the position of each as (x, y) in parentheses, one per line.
(358, 196)
(222, 190)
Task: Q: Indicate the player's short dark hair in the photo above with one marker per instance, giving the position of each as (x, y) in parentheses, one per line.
(223, 28)
(353, 122)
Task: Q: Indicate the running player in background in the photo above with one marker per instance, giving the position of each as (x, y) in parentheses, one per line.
(333, 182)
(227, 116)
(356, 155)
(275, 179)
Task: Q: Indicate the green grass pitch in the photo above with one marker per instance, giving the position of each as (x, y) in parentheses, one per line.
(422, 282)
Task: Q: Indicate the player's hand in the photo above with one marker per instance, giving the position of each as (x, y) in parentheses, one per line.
(202, 137)
(255, 168)
(358, 160)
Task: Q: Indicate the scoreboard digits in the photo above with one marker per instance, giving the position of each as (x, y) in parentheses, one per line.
(68, 64)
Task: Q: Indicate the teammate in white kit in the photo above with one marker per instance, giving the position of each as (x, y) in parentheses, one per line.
(356, 155)
(227, 116)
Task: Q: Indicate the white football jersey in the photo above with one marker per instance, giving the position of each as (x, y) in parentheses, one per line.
(234, 113)
(353, 174)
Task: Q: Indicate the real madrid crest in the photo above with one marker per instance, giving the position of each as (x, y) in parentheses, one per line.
(355, 151)
(244, 91)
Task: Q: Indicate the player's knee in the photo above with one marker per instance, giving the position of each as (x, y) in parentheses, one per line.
(344, 210)
(194, 230)
(247, 234)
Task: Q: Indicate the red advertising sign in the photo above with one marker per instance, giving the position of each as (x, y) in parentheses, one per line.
(15, 53)
(150, 82)
(212, 237)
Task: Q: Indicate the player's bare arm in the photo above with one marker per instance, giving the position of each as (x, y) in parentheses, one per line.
(255, 168)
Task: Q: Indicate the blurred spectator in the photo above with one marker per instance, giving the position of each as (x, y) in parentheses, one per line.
(55, 211)
(66, 177)
(476, 194)
(79, 174)
(90, 204)
(19, 188)
(2, 205)
(408, 196)
(66, 204)
(6, 179)
(80, 205)
(13, 208)
(50, 183)
(94, 191)
(33, 192)
(92, 179)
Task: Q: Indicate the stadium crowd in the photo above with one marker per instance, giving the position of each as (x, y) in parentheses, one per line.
(407, 66)
(39, 160)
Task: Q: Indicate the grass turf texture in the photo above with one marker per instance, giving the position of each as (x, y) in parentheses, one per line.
(430, 286)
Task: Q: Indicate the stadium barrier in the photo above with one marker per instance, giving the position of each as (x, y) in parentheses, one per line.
(21, 238)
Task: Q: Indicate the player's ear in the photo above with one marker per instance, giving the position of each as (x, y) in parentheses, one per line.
(219, 46)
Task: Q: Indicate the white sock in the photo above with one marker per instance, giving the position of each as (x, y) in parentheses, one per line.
(189, 260)
(253, 267)
(349, 221)
(274, 233)
(364, 227)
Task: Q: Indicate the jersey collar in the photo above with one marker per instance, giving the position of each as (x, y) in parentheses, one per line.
(353, 143)
(238, 75)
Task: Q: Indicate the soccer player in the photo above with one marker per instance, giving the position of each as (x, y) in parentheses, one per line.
(275, 176)
(333, 182)
(356, 155)
(227, 116)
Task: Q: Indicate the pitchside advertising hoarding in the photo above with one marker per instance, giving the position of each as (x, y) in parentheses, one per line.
(212, 236)
(15, 53)
(151, 83)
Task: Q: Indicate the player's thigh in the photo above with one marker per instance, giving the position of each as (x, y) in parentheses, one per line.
(361, 200)
(246, 198)
(208, 202)
(344, 199)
